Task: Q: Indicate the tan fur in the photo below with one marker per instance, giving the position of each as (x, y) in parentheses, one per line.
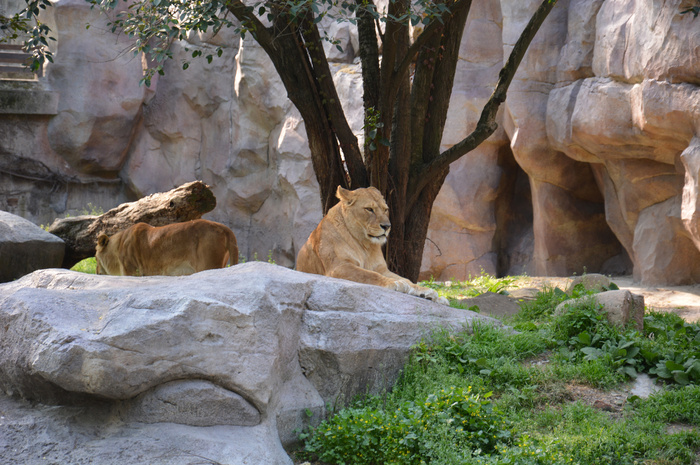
(348, 241)
(174, 250)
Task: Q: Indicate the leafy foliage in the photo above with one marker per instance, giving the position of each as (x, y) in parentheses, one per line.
(88, 265)
(472, 287)
(528, 412)
(407, 434)
(25, 25)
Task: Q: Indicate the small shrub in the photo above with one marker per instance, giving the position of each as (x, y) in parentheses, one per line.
(407, 435)
(89, 265)
(93, 210)
(680, 405)
(543, 306)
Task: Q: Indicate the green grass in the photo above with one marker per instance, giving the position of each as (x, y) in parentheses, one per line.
(523, 412)
(88, 265)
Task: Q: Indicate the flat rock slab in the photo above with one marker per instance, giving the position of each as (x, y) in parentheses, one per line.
(152, 356)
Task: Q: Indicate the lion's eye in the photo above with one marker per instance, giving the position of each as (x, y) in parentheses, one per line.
(370, 209)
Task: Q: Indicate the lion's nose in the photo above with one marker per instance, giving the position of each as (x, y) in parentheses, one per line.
(386, 226)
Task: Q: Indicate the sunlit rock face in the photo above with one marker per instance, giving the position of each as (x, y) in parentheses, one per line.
(593, 168)
(601, 117)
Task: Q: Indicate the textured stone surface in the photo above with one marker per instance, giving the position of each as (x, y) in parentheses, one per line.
(25, 247)
(592, 133)
(243, 352)
(621, 307)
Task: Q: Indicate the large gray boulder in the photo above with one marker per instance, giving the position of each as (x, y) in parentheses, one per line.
(25, 247)
(223, 365)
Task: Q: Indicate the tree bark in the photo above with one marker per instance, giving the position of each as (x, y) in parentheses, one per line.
(187, 202)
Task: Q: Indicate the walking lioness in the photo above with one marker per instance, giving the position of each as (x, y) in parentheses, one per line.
(348, 241)
(174, 250)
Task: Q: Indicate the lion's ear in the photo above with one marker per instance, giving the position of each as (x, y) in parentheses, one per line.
(344, 195)
(102, 240)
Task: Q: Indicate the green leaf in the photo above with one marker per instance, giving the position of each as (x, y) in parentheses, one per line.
(585, 338)
(528, 326)
(649, 356)
(592, 353)
(559, 293)
(673, 366)
(632, 352)
(681, 377)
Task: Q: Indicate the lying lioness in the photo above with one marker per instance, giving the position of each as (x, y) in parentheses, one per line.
(348, 241)
(173, 250)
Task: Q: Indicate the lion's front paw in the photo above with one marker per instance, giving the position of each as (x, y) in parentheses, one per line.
(426, 293)
(402, 286)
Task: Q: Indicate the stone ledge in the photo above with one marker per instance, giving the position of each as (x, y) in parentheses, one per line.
(28, 101)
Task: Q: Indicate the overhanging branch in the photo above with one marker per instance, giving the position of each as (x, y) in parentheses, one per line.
(424, 37)
(487, 121)
(245, 15)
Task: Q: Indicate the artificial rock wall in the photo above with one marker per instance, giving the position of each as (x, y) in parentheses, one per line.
(595, 166)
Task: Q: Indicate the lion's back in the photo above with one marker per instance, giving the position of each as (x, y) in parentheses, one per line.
(175, 249)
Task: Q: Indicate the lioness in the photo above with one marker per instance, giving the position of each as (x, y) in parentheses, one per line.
(174, 250)
(348, 241)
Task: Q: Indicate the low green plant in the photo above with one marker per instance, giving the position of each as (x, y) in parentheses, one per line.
(671, 406)
(542, 307)
(408, 433)
(455, 290)
(588, 436)
(242, 258)
(93, 210)
(668, 348)
(528, 373)
(88, 265)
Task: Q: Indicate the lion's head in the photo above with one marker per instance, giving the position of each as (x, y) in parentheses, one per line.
(366, 214)
(106, 255)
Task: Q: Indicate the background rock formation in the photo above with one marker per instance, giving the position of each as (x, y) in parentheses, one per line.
(595, 167)
(24, 247)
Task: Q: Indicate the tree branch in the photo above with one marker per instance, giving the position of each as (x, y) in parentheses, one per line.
(487, 121)
(245, 15)
(425, 36)
(331, 101)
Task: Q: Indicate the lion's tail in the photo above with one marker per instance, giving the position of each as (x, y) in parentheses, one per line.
(232, 249)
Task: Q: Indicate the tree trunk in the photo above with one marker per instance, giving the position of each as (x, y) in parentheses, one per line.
(411, 171)
(405, 250)
(187, 202)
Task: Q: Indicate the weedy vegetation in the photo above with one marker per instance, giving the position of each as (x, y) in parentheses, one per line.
(88, 265)
(489, 395)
